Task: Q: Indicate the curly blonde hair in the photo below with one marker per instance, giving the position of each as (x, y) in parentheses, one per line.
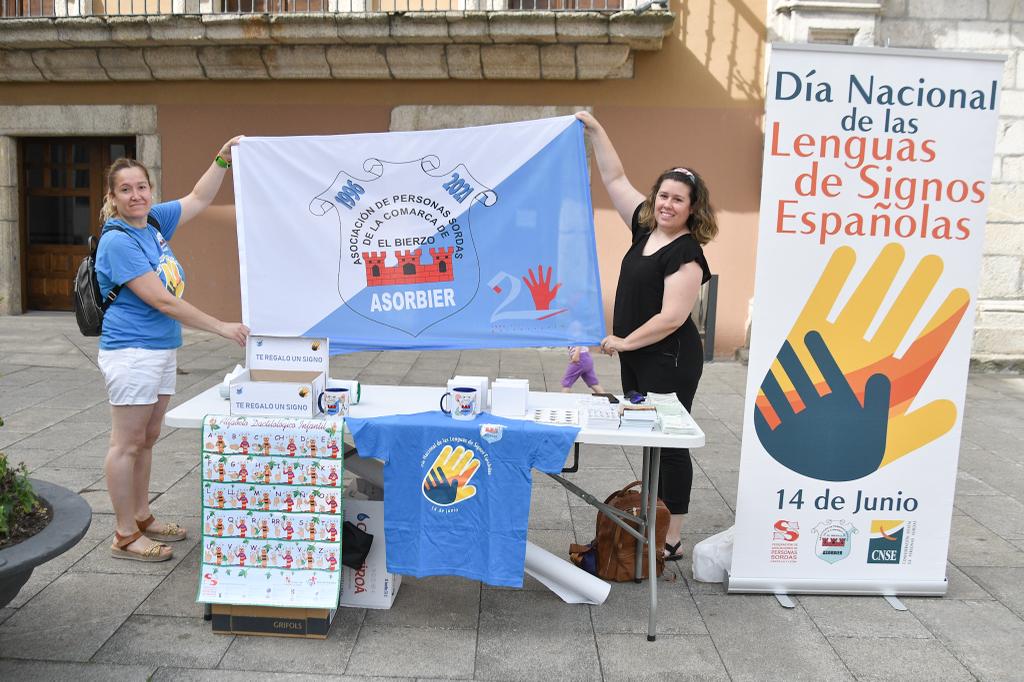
(702, 223)
(108, 210)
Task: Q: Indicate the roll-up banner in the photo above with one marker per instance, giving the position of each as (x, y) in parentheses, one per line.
(877, 169)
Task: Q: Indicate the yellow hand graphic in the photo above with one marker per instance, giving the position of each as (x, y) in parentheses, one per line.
(453, 468)
(860, 358)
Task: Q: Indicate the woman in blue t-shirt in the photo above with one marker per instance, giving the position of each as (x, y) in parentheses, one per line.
(140, 337)
(658, 343)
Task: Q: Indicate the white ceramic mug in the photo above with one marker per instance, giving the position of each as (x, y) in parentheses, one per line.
(463, 403)
(334, 401)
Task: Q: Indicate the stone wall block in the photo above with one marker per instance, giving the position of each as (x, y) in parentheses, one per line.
(176, 30)
(464, 62)
(558, 62)
(238, 29)
(640, 31)
(361, 28)
(1011, 169)
(1001, 10)
(468, 27)
(10, 277)
(8, 201)
(916, 33)
(1005, 202)
(523, 27)
(946, 9)
(1010, 136)
(233, 63)
(602, 61)
(441, 116)
(417, 61)
(8, 161)
(296, 61)
(1000, 277)
(148, 151)
(1002, 340)
(17, 65)
(129, 30)
(1011, 103)
(510, 61)
(25, 33)
(174, 63)
(78, 64)
(124, 63)
(358, 62)
(297, 29)
(894, 9)
(429, 28)
(83, 31)
(58, 120)
(581, 27)
(1004, 239)
(982, 34)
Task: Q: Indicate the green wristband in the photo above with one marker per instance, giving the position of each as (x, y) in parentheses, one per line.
(222, 162)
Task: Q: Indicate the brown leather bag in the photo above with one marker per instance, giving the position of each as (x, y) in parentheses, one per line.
(616, 549)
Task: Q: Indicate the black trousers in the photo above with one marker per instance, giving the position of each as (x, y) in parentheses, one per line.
(652, 371)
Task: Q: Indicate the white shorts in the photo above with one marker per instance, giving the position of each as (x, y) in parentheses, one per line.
(136, 376)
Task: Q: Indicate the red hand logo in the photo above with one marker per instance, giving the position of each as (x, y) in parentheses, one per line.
(540, 288)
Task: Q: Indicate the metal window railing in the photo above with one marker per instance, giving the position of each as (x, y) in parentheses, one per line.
(12, 9)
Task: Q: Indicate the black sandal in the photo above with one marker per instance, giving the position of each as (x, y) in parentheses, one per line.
(673, 552)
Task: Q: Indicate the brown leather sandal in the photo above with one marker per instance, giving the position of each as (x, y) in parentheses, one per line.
(119, 550)
(172, 532)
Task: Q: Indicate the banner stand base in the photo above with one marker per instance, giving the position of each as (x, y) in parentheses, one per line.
(784, 600)
(895, 602)
(783, 587)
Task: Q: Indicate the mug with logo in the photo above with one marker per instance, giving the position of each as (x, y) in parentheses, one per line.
(334, 401)
(462, 401)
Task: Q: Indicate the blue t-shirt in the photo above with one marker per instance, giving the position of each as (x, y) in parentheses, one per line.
(457, 493)
(130, 322)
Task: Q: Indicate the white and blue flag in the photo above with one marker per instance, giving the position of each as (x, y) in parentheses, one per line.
(466, 238)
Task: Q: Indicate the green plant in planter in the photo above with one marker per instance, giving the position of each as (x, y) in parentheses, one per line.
(17, 498)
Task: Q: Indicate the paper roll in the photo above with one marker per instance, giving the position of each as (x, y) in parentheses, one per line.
(572, 584)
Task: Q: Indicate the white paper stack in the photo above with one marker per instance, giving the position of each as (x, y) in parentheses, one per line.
(672, 418)
(638, 418)
(599, 414)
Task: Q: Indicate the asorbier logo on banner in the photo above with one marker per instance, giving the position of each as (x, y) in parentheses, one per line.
(835, 540)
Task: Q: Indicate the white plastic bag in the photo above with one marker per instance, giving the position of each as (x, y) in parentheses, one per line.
(712, 557)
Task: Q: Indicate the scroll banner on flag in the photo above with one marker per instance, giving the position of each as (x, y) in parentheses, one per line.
(470, 238)
(877, 169)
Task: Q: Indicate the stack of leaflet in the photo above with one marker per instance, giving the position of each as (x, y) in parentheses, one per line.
(672, 418)
(598, 413)
(638, 418)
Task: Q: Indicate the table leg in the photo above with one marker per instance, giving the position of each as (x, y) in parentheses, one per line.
(644, 485)
(652, 545)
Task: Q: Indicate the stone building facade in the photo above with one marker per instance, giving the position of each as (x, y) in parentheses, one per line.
(989, 26)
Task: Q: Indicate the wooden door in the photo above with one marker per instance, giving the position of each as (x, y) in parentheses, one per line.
(62, 187)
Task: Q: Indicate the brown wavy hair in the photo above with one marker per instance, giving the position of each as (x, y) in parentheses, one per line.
(109, 210)
(702, 223)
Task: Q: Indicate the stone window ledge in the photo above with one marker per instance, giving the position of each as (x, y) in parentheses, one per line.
(424, 45)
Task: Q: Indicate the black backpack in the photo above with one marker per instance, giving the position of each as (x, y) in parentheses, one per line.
(90, 306)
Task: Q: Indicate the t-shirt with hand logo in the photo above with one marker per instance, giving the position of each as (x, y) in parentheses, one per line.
(130, 322)
(457, 493)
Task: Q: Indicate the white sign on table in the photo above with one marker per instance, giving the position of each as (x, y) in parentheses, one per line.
(877, 168)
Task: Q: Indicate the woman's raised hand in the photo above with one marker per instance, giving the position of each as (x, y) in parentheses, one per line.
(587, 119)
(225, 151)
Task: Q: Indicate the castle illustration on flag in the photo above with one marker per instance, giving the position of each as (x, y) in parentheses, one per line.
(409, 270)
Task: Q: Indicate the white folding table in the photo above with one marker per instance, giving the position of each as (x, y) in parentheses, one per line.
(377, 401)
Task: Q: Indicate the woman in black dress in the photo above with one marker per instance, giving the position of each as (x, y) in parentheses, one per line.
(658, 344)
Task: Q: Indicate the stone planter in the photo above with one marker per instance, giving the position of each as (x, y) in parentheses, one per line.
(71, 518)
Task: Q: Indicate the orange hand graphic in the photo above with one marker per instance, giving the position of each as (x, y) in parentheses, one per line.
(860, 358)
(447, 479)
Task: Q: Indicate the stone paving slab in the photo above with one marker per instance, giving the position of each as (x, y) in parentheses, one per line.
(114, 614)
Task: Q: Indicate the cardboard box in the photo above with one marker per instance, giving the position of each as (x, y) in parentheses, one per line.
(372, 586)
(284, 377)
(509, 397)
(267, 620)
